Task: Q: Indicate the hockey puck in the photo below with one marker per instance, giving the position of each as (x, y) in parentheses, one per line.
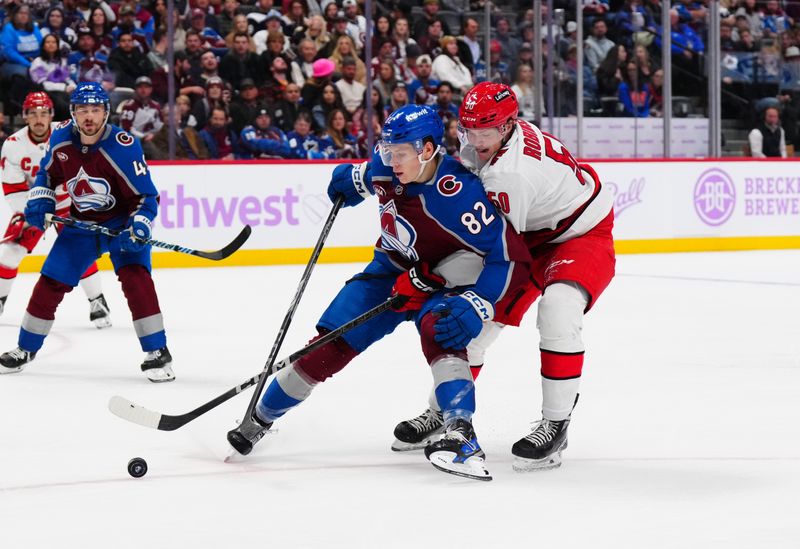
(137, 467)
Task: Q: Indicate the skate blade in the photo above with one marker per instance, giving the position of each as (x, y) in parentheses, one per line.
(160, 375)
(472, 468)
(231, 456)
(100, 323)
(525, 465)
(400, 446)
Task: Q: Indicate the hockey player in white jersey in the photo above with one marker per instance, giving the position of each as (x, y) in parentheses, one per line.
(565, 216)
(19, 159)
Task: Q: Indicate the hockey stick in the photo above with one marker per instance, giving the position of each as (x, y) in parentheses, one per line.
(287, 320)
(216, 255)
(129, 411)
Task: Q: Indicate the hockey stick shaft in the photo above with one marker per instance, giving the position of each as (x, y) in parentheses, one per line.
(132, 412)
(216, 255)
(287, 320)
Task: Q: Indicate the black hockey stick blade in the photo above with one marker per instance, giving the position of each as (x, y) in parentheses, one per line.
(130, 411)
(234, 245)
(216, 255)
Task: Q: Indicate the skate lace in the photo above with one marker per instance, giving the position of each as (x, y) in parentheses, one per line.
(97, 306)
(18, 353)
(544, 431)
(152, 355)
(458, 434)
(429, 418)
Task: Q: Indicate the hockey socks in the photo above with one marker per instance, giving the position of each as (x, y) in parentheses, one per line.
(561, 376)
(137, 285)
(41, 311)
(455, 390)
(289, 388)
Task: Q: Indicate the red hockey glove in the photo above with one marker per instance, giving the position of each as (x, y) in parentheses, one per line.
(414, 287)
(21, 232)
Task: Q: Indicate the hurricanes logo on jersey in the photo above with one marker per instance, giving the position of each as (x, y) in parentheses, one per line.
(90, 193)
(397, 233)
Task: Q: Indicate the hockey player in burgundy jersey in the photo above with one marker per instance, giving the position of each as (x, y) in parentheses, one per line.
(19, 162)
(109, 183)
(431, 207)
(565, 215)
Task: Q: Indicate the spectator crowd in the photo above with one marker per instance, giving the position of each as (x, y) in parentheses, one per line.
(288, 78)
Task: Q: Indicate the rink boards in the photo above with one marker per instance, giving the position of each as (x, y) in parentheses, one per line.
(661, 206)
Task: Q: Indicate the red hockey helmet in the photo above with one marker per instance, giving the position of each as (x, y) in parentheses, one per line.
(37, 100)
(488, 105)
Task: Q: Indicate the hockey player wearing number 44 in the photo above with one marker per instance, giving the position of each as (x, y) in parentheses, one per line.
(19, 161)
(108, 181)
(431, 207)
(565, 216)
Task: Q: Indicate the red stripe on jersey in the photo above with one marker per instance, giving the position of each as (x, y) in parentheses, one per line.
(561, 365)
(535, 238)
(12, 188)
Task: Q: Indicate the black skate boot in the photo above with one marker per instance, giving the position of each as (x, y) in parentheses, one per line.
(15, 360)
(417, 433)
(99, 313)
(458, 452)
(246, 435)
(541, 450)
(157, 366)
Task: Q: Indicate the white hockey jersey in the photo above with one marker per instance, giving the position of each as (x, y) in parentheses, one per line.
(19, 161)
(541, 188)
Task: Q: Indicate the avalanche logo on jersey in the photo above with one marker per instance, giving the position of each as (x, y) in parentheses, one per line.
(90, 193)
(448, 185)
(124, 139)
(397, 233)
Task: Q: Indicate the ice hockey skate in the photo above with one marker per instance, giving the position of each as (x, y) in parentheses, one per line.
(541, 449)
(157, 366)
(99, 313)
(246, 435)
(458, 452)
(418, 432)
(15, 360)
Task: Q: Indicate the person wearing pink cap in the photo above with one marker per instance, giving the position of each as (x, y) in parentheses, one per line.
(322, 70)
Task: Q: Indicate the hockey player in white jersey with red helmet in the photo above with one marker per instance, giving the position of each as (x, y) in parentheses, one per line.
(20, 157)
(565, 216)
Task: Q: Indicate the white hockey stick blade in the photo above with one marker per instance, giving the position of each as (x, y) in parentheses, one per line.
(472, 468)
(127, 410)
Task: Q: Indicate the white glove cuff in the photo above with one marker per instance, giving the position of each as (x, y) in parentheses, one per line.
(143, 219)
(484, 309)
(359, 170)
(42, 192)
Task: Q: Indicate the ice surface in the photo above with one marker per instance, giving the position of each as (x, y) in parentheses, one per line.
(686, 434)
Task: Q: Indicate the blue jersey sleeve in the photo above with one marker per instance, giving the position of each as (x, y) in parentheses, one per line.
(124, 152)
(460, 204)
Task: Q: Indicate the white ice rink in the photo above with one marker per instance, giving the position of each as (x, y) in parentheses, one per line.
(686, 435)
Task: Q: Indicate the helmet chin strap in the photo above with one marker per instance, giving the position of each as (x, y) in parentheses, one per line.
(424, 163)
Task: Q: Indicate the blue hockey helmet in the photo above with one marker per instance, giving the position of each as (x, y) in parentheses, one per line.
(89, 93)
(411, 124)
